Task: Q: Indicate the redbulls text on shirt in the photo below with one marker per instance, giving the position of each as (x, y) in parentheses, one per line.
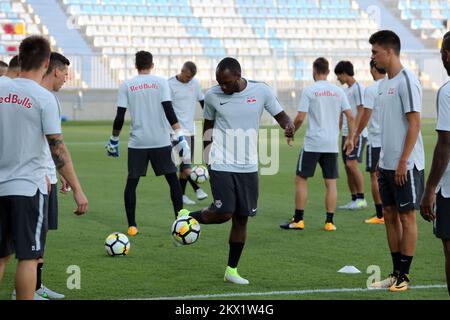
(15, 99)
(144, 86)
(327, 94)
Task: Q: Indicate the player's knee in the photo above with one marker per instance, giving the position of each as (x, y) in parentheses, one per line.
(407, 218)
(224, 217)
(446, 244)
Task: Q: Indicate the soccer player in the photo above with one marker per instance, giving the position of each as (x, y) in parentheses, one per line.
(437, 189)
(324, 103)
(402, 159)
(53, 80)
(232, 115)
(186, 92)
(355, 92)
(3, 68)
(148, 98)
(372, 112)
(13, 70)
(28, 115)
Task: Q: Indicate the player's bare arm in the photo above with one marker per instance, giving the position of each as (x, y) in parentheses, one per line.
(348, 147)
(441, 159)
(64, 165)
(286, 123)
(412, 134)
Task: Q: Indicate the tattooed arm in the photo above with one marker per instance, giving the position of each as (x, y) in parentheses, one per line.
(64, 165)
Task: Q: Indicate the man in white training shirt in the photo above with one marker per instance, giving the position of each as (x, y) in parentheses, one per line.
(324, 103)
(148, 99)
(371, 117)
(29, 118)
(186, 93)
(402, 158)
(54, 79)
(355, 93)
(437, 191)
(233, 112)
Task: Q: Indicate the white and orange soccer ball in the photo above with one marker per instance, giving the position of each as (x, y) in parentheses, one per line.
(117, 244)
(199, 174)
(185, 230)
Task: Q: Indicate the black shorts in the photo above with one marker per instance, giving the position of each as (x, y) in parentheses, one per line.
(160, 158)
(372, 158)
(442, 222)
(235, 193)
(307, 162)
(53, 208)
(357, 153)
(191, 142)
(406, 197)
(23, 226)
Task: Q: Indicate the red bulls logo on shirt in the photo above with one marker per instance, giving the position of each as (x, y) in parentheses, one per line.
(251, 100)
(15, 99)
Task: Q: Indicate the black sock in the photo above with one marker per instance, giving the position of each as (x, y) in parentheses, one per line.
(197, 215)
(405, 264)
(175, 192)
(379, 209)
(183, 183)
(329, 217)
(39, 275)
(396, 257)
(360, 196)
(235, 253)
(298, 215)
(353, 197)
(193, 184)
(130, 201)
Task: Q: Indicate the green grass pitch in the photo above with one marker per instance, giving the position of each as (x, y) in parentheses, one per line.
(273, 259)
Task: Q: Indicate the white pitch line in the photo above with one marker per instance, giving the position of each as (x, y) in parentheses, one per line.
(277, 293)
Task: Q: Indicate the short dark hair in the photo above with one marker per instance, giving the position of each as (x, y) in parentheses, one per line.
(446, 41)
(229, 64)
(374, 66)
(321, 65)
(57, 60)
(191, 67)
(33, 51)
(387, 39)
(144, 60)
(14, 62)
(3, 64)
(344, 67)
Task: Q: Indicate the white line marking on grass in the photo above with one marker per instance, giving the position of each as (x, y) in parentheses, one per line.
(278, 293)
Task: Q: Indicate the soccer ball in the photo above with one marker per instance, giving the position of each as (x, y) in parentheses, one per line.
(185, 230)
(117, 244)
(199, 174)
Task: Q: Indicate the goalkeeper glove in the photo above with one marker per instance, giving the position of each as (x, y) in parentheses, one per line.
(112, 148)
(183, 146)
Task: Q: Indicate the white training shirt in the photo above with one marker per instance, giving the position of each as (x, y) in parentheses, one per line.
(185, 97)
(397, 97)
(236, 124)
(355, 96)
(28, 112)
(371, 102)
(443, 124)
(324, 102)
(143, 96)
(51, 167)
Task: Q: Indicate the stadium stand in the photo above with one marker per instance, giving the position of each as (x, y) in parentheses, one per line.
(16, 22)
(430, 18)
(276, 41)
